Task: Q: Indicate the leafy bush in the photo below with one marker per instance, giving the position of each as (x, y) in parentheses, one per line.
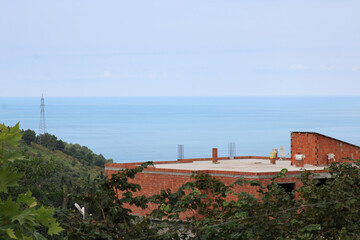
(20, 218)
(313, 211)
(106, 200)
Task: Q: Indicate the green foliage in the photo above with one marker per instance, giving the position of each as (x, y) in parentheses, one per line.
(47, 140)
(42, 178)
(29, 136)
(82, 153)
(333, 205)
(106, 200)
(313, 211)
(19, 218)
(53, 177)
(214, 210)
(85, 155)
(60, 145)
(51, 142)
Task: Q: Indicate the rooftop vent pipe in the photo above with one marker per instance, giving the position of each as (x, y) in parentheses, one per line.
(273, 156)
(215, 155)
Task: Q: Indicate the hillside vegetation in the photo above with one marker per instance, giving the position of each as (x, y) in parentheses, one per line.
(54, 170)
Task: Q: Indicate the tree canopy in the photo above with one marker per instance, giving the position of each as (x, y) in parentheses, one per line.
(29, 136)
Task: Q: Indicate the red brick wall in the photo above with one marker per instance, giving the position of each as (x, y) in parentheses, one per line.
(339, 148)
(316, 146)
(153, 180)
(304, 143)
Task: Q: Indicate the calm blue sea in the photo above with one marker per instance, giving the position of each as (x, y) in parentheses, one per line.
(129, 129)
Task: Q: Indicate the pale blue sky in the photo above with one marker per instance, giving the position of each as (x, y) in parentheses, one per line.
(179, 48)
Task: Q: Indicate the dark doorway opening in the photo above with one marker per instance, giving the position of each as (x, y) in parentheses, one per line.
(288, 187)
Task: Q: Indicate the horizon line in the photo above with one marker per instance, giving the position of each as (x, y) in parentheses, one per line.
(182, 96)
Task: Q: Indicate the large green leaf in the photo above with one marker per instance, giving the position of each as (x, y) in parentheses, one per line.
(9, 208)
(10, 232)
(8, 179)
(28, 215)
(46, 219)
(26, 198)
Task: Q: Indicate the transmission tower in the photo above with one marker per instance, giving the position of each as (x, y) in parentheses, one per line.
(42, 125)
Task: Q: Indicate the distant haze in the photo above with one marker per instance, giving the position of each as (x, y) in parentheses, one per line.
(179, 48)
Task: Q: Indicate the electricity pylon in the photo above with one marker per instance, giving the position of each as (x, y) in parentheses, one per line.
(42, 125)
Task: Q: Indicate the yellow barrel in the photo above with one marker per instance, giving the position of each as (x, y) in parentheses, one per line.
(273, 154)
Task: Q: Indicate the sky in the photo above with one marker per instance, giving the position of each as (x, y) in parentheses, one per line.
(180, 48)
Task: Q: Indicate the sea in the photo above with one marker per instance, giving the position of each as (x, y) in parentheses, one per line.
(133, 129)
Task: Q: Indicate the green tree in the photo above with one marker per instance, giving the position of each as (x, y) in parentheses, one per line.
(47, 140)
(20, 217)
(107, 200)
(332, 206)
(100, 160)
(42, 178)
(60, 145)
(314, 211)
(29, 136)
(85, 155)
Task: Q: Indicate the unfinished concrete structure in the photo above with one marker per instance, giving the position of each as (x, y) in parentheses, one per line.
(309, 150)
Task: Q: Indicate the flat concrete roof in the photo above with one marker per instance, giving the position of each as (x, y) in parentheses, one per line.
(237, 165)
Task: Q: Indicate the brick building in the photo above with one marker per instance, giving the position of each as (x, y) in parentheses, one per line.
(309, 150)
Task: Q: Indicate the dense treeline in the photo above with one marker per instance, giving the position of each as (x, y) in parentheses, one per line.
(317, 210)
(84, 154)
